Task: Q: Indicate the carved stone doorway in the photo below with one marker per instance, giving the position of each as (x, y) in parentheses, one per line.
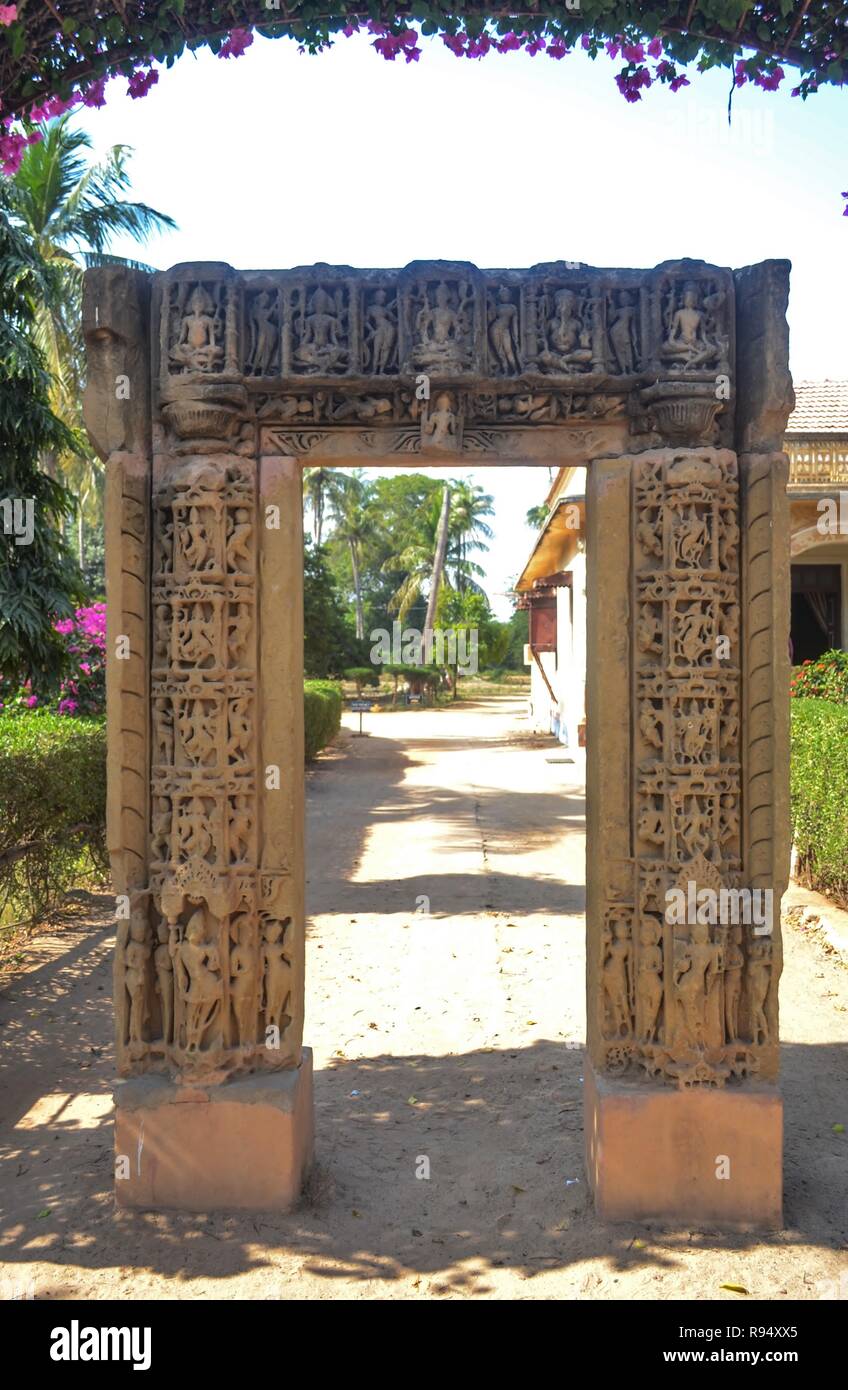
(208, 391)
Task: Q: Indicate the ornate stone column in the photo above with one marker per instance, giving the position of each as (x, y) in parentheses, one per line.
(688, 810)
(209, 956)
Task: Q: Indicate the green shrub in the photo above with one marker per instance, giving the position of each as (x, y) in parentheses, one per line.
(362, 675)
(52, 810)
(820, 795)
(826, 678)
(322, 711)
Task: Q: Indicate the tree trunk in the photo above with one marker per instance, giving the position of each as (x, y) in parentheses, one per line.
(438, 570)
(357, 590)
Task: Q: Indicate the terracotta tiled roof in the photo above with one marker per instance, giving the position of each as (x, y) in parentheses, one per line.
(821, 407)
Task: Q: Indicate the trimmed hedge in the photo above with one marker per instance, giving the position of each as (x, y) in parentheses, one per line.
(820, 795)
(322, 714)
(52, 810)
(53, 799)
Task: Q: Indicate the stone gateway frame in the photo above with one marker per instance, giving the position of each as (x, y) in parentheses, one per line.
(208, 389)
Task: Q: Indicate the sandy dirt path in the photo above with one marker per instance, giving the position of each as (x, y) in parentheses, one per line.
(445, 1006)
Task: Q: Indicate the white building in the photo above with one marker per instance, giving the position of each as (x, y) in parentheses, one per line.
(552, 586)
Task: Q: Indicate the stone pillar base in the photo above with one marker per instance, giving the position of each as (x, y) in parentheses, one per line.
(653, 1153)
(244, 1145)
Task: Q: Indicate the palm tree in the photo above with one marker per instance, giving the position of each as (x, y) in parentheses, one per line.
(321, 488)
(469, 506)
(350, 500)
(69, 208)
(415, 558)
(537, 516)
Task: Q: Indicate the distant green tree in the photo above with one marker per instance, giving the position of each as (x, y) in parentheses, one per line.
(329, 640)
(519, 636)
(39, 580)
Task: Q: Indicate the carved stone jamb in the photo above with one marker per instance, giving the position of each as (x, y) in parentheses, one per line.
(682, 1024)
(116, 408)
(764, 401)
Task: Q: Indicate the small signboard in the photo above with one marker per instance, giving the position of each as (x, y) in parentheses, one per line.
(415, 699)
(358, 706)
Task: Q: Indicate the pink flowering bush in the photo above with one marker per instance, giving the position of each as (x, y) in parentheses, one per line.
(83, 691)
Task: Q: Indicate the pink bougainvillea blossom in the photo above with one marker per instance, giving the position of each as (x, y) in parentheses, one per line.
(12, 147)
(235, 43)
(630, 83)
(95, 94)
(770, 81)
(139, 84)
(632, 52)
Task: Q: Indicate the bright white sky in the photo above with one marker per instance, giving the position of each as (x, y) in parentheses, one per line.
(277, 159)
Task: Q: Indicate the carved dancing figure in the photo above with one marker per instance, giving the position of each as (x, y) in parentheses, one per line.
(622, 333)
(238, 629)
(199, 980)
(734, 962)
(649, 631)
(759, 979)
(650, 825)
(164, 534)
(163, 732)
(276, 973)
(136, 956)
(161, 634)
(618, 981)
(650, 725)
(697, 972)
(238, 542)
(244, 985)
(164, 965)
(263, 334)
(693, 636)
(195, 839)
(693, 824)
(160, 826)
(196, 545)
(241, 826)
(728, 541)
(238, 742)
(382, 332)
(503, 331)
(649, 986)
(649, 537)
(195, 634)
(690, 539)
